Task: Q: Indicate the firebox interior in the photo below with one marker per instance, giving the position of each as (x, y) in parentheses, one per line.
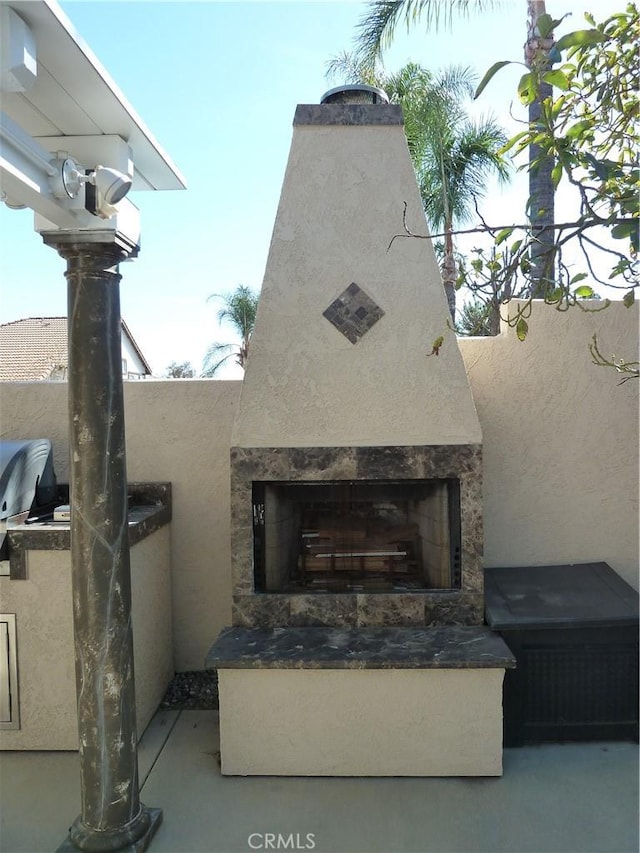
(356, 536)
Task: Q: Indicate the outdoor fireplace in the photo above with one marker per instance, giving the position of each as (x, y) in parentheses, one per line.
(356, 460)
(356, 486)
(356, 536)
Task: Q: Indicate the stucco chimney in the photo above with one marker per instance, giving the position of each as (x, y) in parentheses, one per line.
(341, 352)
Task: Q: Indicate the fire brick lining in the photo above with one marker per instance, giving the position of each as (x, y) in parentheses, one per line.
(353, 313)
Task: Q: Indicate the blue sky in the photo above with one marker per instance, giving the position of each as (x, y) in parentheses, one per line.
(217, 84)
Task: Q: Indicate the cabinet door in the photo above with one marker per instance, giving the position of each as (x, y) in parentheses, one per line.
(9, 718)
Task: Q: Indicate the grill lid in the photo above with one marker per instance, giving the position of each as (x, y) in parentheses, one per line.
(27, 477)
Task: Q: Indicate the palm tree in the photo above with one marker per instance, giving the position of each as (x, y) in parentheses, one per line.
(452, 154)
(456, 157)
(239, 310)
(541, 209)
(375, 32)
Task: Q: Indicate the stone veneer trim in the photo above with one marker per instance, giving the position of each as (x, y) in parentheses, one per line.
(348, 114)
(295, 464)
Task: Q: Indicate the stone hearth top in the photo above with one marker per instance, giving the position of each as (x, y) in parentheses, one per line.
(447, 647)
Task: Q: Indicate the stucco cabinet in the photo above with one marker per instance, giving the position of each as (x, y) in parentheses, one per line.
(36, 602)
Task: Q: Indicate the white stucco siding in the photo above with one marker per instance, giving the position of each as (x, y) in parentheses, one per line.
(132, 364)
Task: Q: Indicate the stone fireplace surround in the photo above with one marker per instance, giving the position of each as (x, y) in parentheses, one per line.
(464, 606)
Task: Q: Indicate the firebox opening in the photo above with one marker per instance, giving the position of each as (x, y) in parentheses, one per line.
(357, 536)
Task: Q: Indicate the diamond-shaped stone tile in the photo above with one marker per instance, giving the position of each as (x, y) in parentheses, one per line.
(353, 313)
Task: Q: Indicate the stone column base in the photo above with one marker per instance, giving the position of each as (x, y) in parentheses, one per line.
(139, 846)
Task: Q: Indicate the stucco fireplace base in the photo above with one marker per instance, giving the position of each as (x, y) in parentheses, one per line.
(365, 702)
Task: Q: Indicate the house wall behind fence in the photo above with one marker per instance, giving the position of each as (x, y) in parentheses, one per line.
(560, 457)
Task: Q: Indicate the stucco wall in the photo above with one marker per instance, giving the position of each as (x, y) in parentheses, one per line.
(44, 640)
(560, 458)
(311, 722)
(560, 441)
(177, 431)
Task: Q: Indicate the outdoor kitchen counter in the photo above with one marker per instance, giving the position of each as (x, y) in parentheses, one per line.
(37, 601)
(149, 510)
(438, 647)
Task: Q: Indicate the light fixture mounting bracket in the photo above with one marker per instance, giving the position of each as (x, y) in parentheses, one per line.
(67, 182)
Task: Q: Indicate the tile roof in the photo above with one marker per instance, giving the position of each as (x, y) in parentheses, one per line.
(33, 349)
(36, 348)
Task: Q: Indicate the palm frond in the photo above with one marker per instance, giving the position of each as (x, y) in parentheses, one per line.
(483, 139)
(348, 68)
(212, 362)
(239, 309)
(376, 29)
(456, 83)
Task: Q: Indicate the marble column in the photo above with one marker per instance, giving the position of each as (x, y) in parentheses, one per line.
(112, 816)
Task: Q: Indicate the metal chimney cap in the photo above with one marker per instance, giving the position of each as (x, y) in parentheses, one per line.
(358, 93)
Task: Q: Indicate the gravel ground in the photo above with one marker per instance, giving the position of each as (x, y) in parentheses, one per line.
(192, 691)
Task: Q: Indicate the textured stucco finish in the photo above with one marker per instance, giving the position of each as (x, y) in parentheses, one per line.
(560, 441)
(560, 458)
(340, 723)
(46, 671)
(306, 385)
(181, 428)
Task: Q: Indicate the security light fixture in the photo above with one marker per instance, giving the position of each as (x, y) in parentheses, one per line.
(109, 185)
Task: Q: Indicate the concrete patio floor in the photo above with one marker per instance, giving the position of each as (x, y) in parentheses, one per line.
(560, 798)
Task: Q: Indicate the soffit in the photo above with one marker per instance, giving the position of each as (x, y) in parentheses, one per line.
(75, 96)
